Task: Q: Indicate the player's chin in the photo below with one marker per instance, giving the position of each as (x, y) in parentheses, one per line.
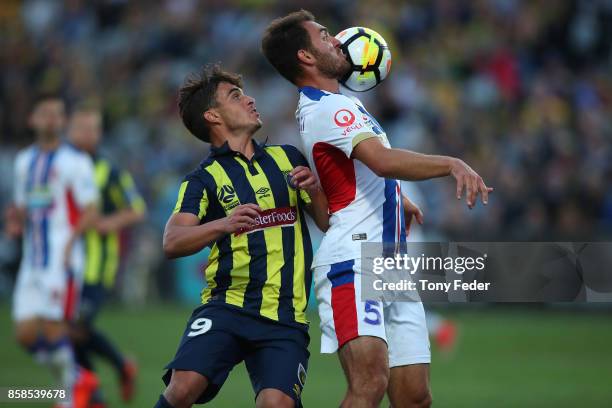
(343, 70)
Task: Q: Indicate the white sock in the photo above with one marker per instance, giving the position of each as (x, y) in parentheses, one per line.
(60, 359)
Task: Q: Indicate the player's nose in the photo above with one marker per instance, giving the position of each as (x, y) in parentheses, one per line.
(250, 100)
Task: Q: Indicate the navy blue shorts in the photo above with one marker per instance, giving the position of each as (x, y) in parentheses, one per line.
(220, 336)
(92, 299)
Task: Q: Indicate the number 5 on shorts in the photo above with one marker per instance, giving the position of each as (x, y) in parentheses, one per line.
(372, 312)
(199, 326)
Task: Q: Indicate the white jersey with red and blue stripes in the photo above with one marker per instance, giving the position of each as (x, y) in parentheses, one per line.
(53, 187)
(363, 206)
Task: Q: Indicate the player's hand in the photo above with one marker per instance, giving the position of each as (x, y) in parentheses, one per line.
(13, 226)
(469, 180)
(241, 219)
(302, 178)
(411, 210)
(105, 225)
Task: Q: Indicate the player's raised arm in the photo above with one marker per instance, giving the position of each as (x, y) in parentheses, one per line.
(411, 166)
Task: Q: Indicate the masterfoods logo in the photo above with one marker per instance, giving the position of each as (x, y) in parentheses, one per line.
(275, 217)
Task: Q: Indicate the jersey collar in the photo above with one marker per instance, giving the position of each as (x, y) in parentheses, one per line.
(313, 93)
(226, 150)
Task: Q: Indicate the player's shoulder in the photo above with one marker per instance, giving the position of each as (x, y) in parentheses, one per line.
(288, 149)
(319, 99)
(25, 153)
(23, 158)
(200, 177)
(70, 151)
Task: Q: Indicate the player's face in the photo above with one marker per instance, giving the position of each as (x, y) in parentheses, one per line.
(48, 118)
(237, 110)
(85, 130)
(331, 61)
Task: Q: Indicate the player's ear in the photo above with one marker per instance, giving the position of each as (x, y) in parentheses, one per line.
(212, 116)
(305, 57)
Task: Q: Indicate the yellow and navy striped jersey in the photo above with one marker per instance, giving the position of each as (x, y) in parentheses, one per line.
(264, 271)
(117, 192)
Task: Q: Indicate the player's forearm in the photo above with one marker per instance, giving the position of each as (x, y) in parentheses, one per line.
(123, 219)
(180, 240)
(318, 209)
(14, 220)
(87, 220)
(412, 166)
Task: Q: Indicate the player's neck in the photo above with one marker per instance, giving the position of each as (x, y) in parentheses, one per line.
(325, 84)
(48, 143)
(239, 143)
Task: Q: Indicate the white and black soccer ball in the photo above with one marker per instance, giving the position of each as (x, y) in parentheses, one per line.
(369, 55)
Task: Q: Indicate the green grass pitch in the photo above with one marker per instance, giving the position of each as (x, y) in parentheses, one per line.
(515, 357)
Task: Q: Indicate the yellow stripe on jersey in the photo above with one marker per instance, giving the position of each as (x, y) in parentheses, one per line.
(274, 243)
(93, 246)
(181, 197)
(240, 249)
(203, 205)
(112, 259)
(299, 289)
(137, 203)
(210, 270)
(361, 137)
(102, 172)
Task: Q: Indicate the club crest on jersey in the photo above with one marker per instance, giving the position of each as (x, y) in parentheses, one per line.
(344, 118)
(289, 179)
(227, 197)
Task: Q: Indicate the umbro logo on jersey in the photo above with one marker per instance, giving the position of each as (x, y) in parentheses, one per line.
(262, 191)
(226, 194)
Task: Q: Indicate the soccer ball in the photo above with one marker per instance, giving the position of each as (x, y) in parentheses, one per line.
(369, 55)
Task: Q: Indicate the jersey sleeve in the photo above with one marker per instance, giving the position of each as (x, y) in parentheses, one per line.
(341, 122)
(129, 192)
(297, 159)
(192, 196)
(82, 181)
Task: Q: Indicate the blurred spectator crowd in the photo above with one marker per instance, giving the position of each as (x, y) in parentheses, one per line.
(520, 90)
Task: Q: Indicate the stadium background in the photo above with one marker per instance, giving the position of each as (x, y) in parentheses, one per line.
(521, 90)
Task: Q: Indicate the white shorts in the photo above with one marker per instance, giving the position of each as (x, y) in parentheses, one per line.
(49, 293)
(344, 316)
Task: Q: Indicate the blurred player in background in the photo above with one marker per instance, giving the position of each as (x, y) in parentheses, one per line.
(55, 199)
(382, 347)
(120, 207)
(246, 200)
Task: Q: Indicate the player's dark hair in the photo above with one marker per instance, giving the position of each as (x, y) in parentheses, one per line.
(199, 94)
(283, 38)
(87, 106)
(45, 97)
